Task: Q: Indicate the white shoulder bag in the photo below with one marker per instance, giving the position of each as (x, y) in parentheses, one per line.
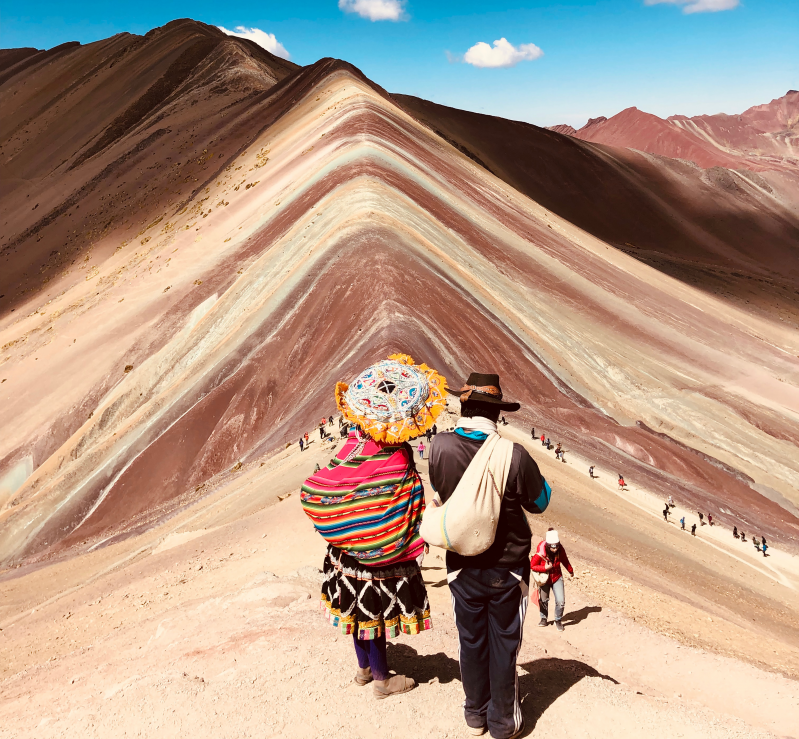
(467, 522)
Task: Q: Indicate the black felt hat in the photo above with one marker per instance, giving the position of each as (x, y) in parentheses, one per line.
(485, 389)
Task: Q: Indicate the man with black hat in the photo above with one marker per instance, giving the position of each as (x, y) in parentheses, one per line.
(489, 590)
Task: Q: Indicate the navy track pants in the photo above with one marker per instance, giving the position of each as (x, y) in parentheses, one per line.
(489, 607)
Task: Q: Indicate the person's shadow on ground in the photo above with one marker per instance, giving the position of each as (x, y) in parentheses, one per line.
(576, 616)
(546, 680)
(405, 660)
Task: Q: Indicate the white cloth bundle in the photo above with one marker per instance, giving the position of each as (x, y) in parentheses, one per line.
(467, 522)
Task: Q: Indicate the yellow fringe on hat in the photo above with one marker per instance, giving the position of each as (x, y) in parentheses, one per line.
(397, 432)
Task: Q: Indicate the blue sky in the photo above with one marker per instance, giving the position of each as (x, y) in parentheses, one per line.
(574, 59)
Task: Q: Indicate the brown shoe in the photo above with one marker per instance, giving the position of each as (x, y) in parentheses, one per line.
(363, 676)
(393, 686)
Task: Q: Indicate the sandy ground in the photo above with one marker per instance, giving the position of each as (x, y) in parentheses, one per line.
(209, 625)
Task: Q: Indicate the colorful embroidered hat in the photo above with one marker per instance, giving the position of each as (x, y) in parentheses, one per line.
(394, 400)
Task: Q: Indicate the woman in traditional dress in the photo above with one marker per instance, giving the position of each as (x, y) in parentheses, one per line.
(367, 504)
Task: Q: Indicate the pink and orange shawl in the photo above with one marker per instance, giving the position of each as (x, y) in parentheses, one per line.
(368, 501)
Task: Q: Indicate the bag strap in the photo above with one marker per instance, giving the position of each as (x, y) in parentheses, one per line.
(501, 447)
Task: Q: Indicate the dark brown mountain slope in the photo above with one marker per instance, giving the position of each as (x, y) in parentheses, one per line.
(729, 232)
(132, 120)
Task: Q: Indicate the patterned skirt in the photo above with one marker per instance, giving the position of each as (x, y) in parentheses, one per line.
(372, 601)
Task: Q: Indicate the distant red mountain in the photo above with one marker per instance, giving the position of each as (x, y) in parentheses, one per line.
(564, 128)
(765, 137)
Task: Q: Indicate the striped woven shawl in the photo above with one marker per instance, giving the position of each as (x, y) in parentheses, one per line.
(368, 501)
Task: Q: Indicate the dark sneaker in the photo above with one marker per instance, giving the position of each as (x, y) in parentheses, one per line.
(542, 622)
(559, 625)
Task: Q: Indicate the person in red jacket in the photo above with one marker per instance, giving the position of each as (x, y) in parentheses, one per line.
(548, 558)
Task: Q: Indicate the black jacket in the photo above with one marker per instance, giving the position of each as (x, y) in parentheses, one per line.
(526, 489)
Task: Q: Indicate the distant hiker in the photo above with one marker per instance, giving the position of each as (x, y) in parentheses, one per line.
(743, 536)
(302, 445)
(306, 438)
(373, 586)
(549, 443)
(701, 519)
(543, 440)
(532, 433)
(693, 529)
(489, 588)
(548, 558)
(709, 519)
(321, 432)
(763, 538)
(756, 543)
(434, 429)
(765, 546)
(330, 419)
(420, 449)
(670, 502)
(666, 512)
(735, 531)
(621, 482)
(682, 523)
(558, 451)
(591, 472)
(343, 433)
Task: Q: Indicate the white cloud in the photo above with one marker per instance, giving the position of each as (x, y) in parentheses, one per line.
(262, 38)
(699, 6)
(375, 10)
(501, 54)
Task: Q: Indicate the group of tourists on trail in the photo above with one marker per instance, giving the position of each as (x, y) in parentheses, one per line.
(682, 526)
(560, 452)
(368, 504)
(759, 544)
(324, 433)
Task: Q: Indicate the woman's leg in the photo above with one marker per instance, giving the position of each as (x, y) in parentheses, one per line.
(543, 601)
(361, 652)
(560, 598)
(372, 653)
